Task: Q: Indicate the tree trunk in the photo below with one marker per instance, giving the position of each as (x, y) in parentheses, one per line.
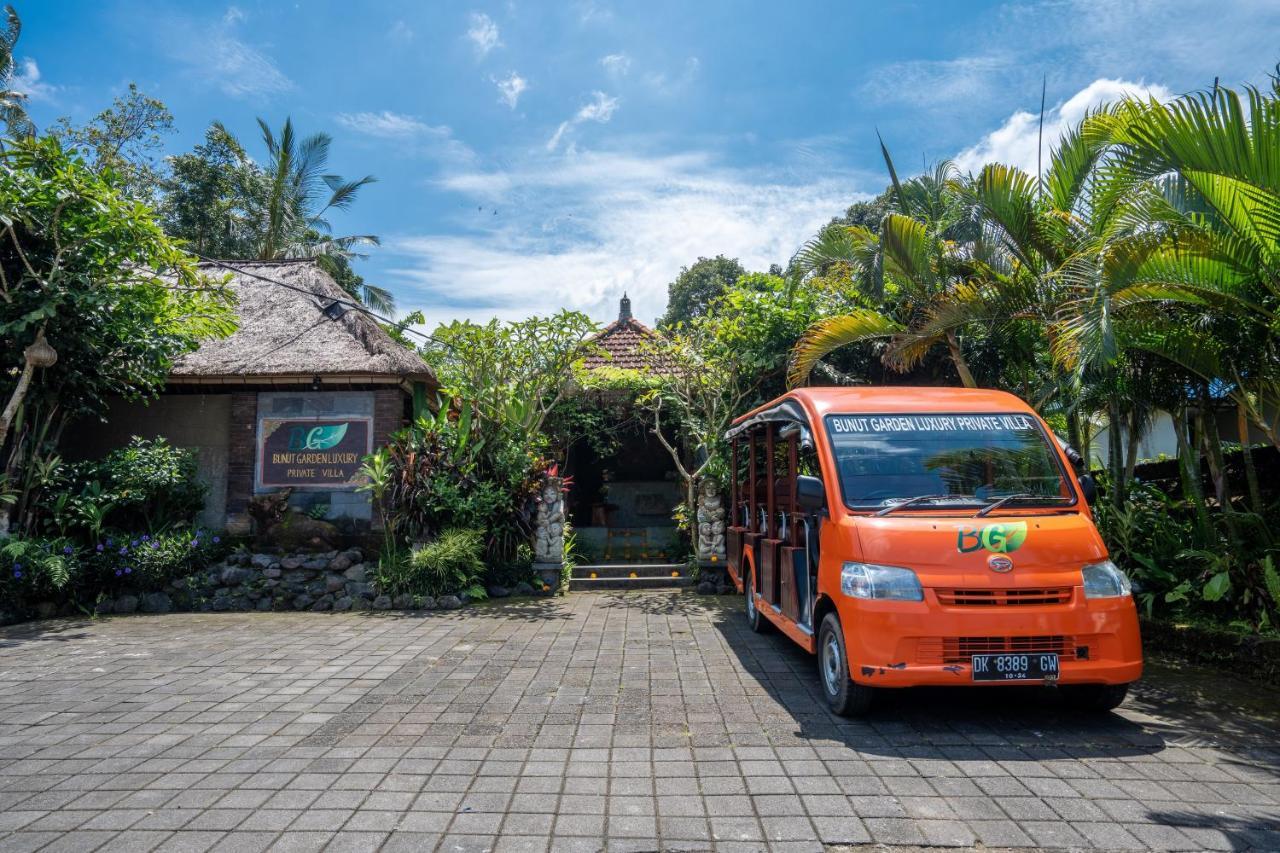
(1115, 457)
(1189, 469)
(15, 401)
(1131, 450)
(1212, 445)
(6, 421)
(957, 357)
(1073, 435)
(1246, 458)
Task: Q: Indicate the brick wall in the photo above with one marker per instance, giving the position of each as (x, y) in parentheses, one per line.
(241, 448)
(388, 414)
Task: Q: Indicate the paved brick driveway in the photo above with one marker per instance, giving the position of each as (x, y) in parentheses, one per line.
(632, 722)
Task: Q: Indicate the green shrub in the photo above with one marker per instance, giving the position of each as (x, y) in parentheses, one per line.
(36, 570)
(148, 562)
(450, 563)
(150, 485)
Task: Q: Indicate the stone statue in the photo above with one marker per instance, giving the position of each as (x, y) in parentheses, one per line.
(548, 535)
(711, 518)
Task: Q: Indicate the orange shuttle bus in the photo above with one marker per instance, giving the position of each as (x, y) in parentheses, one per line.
(926, 536)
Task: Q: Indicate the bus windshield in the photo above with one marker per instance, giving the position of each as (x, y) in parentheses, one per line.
(945, 460)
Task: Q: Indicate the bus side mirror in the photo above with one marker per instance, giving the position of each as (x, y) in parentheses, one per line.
(1089, 488)
(811, 494)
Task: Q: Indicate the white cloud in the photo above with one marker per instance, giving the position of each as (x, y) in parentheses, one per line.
(483, 33)
(599, 109)
(219, 57)
(435, 142)
(663, 83)
(510, 88)
(387, 124)
(238, 69)
(935, 82)
(28, 81)
(574, 231)
(400, 32)
(616, 64)
(1016, 142)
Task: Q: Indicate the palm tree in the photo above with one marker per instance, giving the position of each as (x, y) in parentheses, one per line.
(297, 196)
(1218, 155)
(12, 104)
(927, 247)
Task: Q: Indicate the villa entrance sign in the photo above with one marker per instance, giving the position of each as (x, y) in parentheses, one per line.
(312, 452)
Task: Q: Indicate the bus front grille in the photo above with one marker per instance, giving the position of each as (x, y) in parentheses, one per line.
(1003, 597)
(935, 650)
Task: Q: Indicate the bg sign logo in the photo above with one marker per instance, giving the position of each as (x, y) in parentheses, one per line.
(996, 538)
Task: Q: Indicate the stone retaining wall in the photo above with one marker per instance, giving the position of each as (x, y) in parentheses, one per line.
(337, 580)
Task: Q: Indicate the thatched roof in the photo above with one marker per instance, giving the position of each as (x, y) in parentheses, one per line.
(285, 334)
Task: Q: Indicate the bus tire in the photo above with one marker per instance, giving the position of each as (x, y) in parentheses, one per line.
(756, 620)
(1094, 698)
(844, 696)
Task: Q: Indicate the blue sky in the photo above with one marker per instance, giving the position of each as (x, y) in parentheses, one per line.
(538, 155)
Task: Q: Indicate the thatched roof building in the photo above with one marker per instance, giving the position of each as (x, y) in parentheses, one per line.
(296, 324)
(305, 387)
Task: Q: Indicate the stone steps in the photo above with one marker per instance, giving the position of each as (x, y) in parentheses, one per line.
(619, 576)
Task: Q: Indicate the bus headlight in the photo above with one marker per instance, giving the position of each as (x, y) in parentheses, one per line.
(1105, 580)
(867, 580)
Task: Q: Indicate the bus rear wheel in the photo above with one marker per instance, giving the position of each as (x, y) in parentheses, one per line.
(1094, 698)
(844, 696)
(755, 619)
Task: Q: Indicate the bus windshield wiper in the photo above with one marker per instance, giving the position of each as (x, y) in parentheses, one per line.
(1020, 496)
(912, 501)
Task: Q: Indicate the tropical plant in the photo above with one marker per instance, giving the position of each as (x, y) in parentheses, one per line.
(124, 138)
(450, 563)
(514, 374)
(697, 286)
(292, 220)
(93, 294)
(927, 248)
(13, 104)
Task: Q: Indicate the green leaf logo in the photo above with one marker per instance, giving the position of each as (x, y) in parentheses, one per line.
(325, 437)
(1004, 538)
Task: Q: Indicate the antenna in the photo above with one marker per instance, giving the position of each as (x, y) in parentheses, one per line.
(1044, 85)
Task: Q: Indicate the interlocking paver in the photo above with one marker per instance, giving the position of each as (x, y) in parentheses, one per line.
(635, 721)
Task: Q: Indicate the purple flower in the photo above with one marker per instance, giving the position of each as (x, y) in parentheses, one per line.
(195, 543)
(135, 543)
(216, 540)
(108, 543)
(66, 549)
(124, 550)
(128, 570)
(99, 548)
(17, 573)
(119, 573)
(146, 536)
(155, 545)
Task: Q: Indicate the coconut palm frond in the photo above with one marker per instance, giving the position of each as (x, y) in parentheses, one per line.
(835, 332)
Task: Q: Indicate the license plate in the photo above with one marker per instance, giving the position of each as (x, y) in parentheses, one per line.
(1020, 667)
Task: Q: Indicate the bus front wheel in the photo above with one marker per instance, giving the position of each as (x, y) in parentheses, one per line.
(843, 695)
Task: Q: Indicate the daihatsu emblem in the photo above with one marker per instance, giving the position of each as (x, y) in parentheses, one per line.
(999, 563)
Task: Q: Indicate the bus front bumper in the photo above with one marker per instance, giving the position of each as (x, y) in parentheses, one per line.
(916, 644)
